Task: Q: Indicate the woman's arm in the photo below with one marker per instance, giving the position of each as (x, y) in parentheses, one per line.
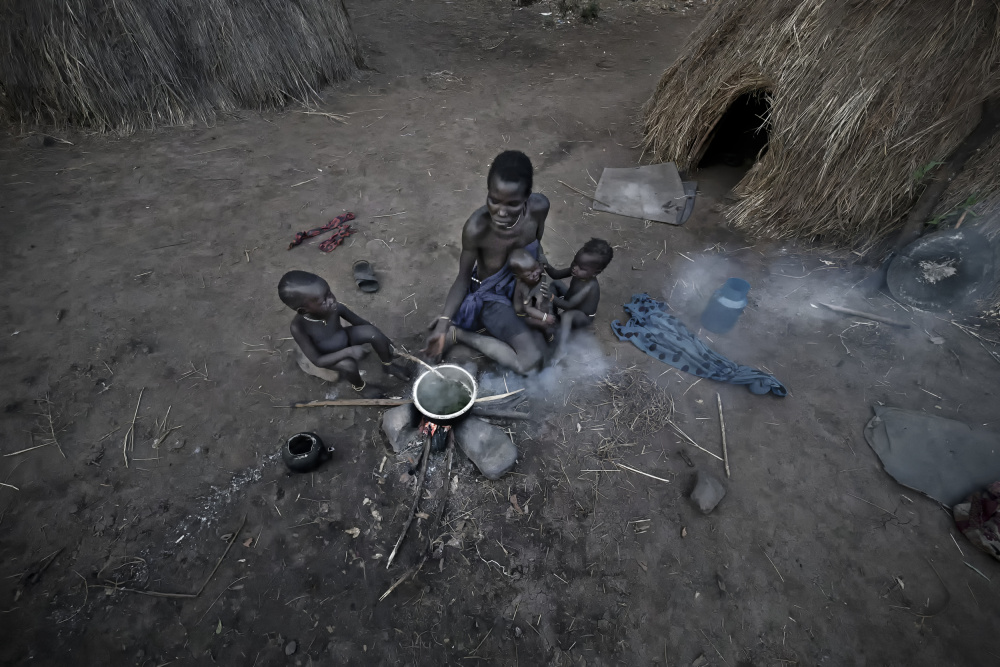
(434, 346)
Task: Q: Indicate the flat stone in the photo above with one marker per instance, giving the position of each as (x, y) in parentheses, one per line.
(290, 647)
(708, 491)
(397, 420)
(487, 446)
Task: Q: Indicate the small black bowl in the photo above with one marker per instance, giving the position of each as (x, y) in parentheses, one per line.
(303, 452)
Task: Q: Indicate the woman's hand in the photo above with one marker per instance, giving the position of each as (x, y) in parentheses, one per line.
(435, 344)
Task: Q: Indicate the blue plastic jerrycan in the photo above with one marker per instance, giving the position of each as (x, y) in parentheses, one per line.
(725, 306)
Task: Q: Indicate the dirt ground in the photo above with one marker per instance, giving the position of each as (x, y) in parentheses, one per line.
(145, 268)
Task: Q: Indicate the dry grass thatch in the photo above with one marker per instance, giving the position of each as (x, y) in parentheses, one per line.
(863, 96)
(125, 64)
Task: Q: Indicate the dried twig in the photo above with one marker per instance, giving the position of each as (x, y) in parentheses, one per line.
(431, 529)
(772, 563)
(331, 116)
(161, 594)
(406, 575)
(692, 442)
(86, 596)
(722, 425)
(50, 423)
(407, 355)
(638, 406)
(416, 500)
(867, 316)
(351, 402)
(645, 474)
(872, 504)
(581, 192)
(22, 451)
(497, 397)
(976, 571)
(500, 414)
(128, 442)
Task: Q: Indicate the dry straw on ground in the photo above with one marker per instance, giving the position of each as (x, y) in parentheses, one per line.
(864, 95)
(123, 65)
(637, 406)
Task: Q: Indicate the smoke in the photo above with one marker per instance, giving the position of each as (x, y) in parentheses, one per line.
(783, 287)
(584, 364)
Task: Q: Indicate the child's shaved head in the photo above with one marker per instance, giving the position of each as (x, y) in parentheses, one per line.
(598, 251)
(295, 287)
(521, 261)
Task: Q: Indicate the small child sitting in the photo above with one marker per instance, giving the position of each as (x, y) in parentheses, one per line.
(322, 340)
(579, 301)
(532, 299)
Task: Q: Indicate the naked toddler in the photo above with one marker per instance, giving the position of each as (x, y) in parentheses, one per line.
(532, 299)
(579, 301)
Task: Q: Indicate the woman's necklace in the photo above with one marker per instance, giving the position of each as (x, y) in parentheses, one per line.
(512, 226)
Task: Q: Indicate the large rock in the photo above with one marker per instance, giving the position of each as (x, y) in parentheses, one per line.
(397, 423)
(487, 446)
(708, 491)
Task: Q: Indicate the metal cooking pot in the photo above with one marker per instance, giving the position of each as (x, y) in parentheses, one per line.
(450, 372)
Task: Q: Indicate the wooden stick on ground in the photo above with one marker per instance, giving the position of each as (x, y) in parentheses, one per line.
(581, 192)
(867, 316)
(381, 402)
(722, 425)
(490, 399)
(22, 451)
(688, 438)
(130, 433)
(52, 426)
(645, 474)
(186, 596)
(349, 402)
(437, 520)
(494, 414)
(416, 499)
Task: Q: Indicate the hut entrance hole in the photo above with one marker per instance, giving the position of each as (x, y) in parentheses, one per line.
(741, 135)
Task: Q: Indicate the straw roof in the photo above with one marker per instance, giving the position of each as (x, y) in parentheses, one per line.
(863, 96)
(125, 64)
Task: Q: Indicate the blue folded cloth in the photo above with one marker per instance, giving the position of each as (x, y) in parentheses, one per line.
(662, 336)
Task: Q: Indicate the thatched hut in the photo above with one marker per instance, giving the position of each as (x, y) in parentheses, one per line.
(857, 103)
(124, 64)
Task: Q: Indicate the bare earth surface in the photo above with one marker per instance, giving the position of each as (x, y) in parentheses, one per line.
(148, 266)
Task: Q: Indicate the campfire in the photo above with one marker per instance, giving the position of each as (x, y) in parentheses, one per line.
(438, 433)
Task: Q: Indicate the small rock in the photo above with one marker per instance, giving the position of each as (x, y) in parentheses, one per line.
(39, 141)
(290, 647)
(487, 446)
(708, 491)
(177, 444)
